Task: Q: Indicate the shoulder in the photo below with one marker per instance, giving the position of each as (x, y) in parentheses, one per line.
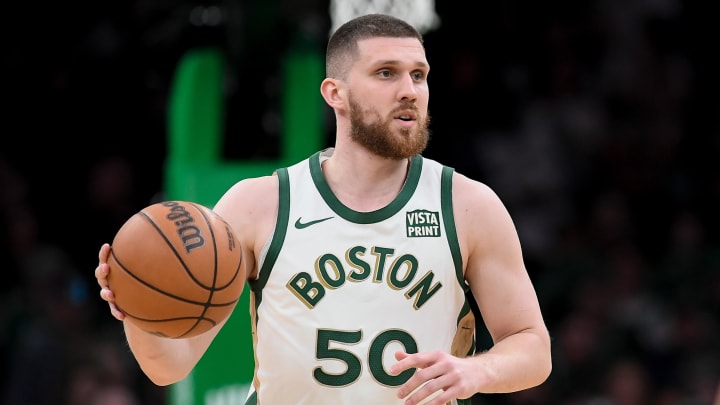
(482, 219)
(472, 195)
(468, 195)
(250, 186)
(250, 205)
(248, 196)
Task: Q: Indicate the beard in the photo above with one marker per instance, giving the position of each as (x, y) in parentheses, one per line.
(379, 138)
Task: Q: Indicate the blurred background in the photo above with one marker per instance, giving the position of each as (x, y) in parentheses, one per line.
(597, 122)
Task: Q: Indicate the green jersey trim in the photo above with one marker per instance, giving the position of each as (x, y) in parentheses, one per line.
(358, 217)
(278, 238)
(446, 202)
(252, 399)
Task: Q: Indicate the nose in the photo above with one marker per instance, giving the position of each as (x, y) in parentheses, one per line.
(408, 89)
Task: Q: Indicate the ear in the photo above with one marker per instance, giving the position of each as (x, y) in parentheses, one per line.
(331, 92)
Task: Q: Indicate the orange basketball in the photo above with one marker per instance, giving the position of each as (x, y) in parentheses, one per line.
(175, 269)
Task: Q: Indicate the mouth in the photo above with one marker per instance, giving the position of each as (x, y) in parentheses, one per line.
(406, 116)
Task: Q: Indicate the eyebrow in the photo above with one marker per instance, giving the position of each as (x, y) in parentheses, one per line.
(397, 62)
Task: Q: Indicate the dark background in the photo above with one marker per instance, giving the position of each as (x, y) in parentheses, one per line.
(597, 123)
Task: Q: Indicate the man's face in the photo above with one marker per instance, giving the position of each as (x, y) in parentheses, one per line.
(388, 97)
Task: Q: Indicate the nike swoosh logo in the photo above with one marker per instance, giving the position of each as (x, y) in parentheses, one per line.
(302, 225)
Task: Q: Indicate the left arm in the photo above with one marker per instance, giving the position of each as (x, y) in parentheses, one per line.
(520, 357)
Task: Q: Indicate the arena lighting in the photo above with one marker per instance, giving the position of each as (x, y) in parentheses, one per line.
(206, 16)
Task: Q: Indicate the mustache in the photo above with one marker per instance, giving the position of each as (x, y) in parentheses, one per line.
(406, 105)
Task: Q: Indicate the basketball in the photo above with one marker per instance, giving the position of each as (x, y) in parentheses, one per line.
(175, 269)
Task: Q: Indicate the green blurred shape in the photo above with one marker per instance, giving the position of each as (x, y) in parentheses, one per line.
(196, 171)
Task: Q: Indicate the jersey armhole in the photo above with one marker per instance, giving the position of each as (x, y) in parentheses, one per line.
(278, 236)
(446, 202)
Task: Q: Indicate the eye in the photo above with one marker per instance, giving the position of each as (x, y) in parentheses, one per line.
(385, 73)
(418, 75)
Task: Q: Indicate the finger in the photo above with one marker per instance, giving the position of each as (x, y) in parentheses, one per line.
(104, 252)
(107, 295)
(432, 389)
(101, 272)
(118, 314)
(420, 377)
(399, 367)
(407, 361)
(399, 355)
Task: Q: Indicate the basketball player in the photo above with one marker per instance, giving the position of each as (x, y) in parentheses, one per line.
(359, 257)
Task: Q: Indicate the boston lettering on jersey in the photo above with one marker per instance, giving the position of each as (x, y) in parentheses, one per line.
(422, 223)
(400, 274)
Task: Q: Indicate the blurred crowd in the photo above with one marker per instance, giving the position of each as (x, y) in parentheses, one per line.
(596, 122)
(602, 140)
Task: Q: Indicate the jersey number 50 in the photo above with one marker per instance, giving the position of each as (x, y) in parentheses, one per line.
(375, 358)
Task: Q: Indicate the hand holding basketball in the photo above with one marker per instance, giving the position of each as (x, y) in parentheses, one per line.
(175, 269)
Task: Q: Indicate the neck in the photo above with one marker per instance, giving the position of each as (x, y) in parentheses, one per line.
(364, 181)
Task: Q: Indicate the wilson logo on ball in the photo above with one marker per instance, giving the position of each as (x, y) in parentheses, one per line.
(189, 233)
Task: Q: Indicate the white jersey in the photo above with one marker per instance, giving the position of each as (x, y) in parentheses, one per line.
(340, 291)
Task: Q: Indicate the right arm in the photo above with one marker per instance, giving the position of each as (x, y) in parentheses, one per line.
(166, 361)
(250, 207)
